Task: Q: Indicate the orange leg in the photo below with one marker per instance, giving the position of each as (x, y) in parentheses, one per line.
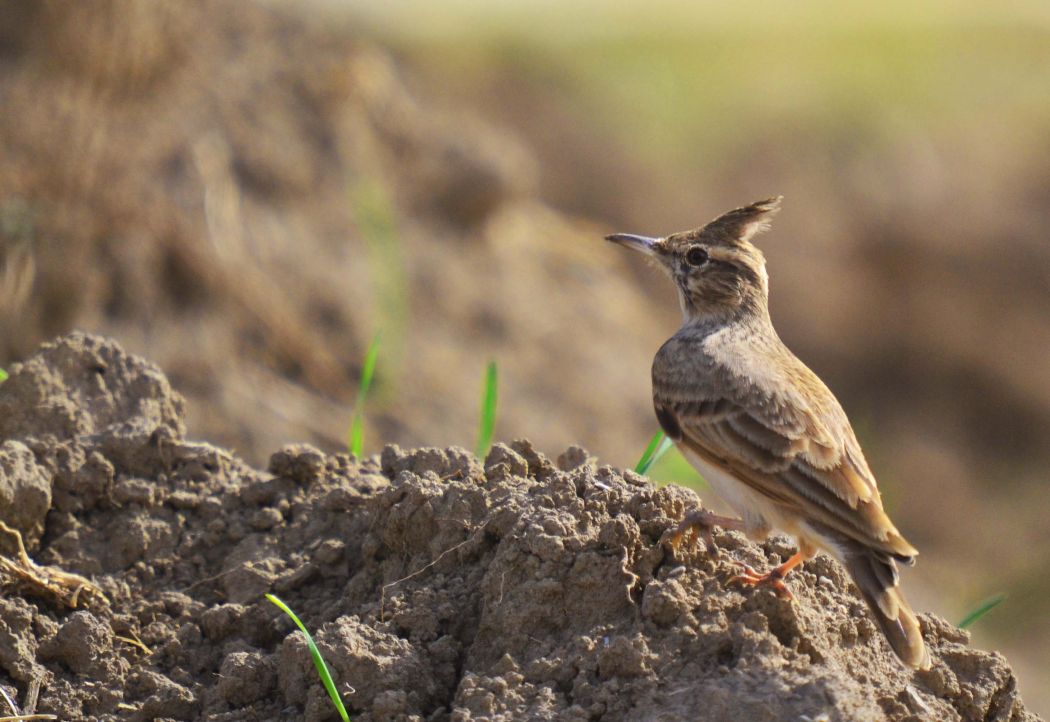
(774, 577)
(702, 522)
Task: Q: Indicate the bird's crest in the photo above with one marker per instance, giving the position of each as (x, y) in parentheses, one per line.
(739, 226)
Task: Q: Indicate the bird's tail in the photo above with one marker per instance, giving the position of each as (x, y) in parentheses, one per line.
(875, 574)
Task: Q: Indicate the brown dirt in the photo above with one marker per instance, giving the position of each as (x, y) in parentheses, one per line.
(443, 587)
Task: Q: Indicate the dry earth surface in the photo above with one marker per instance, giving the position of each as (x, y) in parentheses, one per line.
(245, 192)
(442, 586)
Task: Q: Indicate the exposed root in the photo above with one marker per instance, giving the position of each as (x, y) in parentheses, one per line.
(65, 587)
(438, 558)
(134, 641)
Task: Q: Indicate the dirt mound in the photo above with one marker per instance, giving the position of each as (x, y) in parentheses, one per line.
(442, 587)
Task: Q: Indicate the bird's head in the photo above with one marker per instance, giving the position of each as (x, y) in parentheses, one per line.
(718, 272)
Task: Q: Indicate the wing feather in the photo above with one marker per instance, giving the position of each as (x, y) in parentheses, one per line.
(807, 473)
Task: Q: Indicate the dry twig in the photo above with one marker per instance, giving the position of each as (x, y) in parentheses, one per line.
(65, 587)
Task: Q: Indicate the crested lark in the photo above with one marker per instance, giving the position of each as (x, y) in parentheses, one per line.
(762, 429)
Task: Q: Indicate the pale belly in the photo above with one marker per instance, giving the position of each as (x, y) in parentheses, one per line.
(760, 515)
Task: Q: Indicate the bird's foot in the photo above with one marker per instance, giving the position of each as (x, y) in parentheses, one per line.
(701, 523)
(774, 577)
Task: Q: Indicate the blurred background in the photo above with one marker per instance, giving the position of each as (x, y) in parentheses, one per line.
(247, 192)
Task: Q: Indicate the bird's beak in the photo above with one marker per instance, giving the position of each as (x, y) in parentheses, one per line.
(648, 246)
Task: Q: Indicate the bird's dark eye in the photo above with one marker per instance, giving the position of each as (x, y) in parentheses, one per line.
(696, 256)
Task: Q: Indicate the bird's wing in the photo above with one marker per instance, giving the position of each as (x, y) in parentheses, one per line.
(805, 459)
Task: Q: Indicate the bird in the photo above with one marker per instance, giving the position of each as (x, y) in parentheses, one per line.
(763, 430)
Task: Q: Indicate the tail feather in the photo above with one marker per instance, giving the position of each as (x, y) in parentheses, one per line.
(875, 574)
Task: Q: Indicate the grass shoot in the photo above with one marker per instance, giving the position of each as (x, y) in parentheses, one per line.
(982, 609)
(357, 424)
(657, 447)
(489, 397)
(376, 218)
(315, 653)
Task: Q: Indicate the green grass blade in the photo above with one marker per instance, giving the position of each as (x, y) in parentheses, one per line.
(357, 424)
(489, 397)
(981, 609)
(322, 668)
(647, 456)
(376, 217)
(3, 376)
(657, 447)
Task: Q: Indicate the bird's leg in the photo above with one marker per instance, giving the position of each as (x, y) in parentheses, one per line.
(774, 577)
(702, 522)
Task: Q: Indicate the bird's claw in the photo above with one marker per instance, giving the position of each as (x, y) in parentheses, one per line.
(697, 523)
(775, 578)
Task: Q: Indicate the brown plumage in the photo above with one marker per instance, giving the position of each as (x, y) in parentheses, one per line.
(763, 429)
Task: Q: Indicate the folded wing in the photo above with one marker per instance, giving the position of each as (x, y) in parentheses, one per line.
(804, 457)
